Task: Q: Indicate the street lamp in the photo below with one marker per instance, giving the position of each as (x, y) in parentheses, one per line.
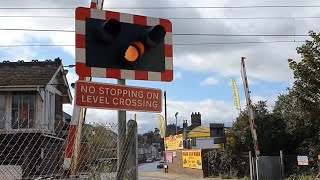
(176, 115)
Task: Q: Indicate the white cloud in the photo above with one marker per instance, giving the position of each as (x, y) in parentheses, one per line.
(250, 81)
(210, 81)
(72, 77)
(255, 98)
(211, 111)
(265, 61)
(177, 75)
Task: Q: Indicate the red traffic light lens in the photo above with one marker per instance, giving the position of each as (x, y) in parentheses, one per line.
(134, 51)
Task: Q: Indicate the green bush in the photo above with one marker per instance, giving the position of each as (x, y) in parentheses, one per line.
(300, 177)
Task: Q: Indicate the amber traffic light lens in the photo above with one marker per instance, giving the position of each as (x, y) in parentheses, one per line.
(134, 51)
(132, 54)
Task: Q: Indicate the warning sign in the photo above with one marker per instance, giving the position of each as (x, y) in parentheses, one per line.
(192, 159)
(303, 160)
(118, 97)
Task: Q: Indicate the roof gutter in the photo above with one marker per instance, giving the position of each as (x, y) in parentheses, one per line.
(21, 88)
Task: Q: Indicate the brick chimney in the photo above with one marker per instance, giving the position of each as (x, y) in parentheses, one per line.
(196, 119)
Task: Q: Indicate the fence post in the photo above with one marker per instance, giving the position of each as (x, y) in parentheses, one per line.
(208, 160)
(127, 145)
(134, 149)
(257, 167)
(281, 165)
(250, 164)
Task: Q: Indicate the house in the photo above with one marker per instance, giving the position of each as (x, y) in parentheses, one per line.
(32, 126)
(154, 151)
(144, 152)
(200, 138)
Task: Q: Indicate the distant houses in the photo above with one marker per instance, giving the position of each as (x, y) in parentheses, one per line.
(146, 151)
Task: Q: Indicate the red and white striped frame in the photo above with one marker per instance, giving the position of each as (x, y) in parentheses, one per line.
(253, 125)
(83, 70)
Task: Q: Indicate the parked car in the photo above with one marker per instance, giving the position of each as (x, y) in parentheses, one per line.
(160, 165)
(158, 159)
(149, 160)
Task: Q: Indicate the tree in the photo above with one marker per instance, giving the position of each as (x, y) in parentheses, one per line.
(270, 130)
(300, 107)
(294, 123)
(307, 73)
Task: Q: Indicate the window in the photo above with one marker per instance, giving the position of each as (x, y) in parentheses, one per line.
(2, 111)
(23, 110)
(194, 142)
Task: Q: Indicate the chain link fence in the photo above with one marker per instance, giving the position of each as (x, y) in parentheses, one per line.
(37, 151)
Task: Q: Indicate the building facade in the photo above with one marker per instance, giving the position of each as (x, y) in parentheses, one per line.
(32, 122)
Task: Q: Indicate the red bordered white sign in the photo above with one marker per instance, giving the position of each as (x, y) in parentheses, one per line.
(83, 70)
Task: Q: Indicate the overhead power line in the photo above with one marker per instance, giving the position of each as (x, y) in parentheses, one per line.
(44, 30)
(176, 44)
(245, 35)
(178, 18)
(37, 8)
(175, 7)
(221, 7)
(244, 42)
(5, 16)
(176, 34)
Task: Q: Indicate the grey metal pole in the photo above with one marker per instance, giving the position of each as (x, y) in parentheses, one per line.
(250, 164)
(135, 150)
(165, 131)
(165, 113)
(122, 120)
(132, 127)
(257, 167)
(281, 165)
(129, 142)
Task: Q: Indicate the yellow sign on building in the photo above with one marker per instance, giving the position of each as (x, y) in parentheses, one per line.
(192, 159)
(173, 142)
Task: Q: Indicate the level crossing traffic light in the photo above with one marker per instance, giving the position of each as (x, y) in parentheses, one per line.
(123, 46)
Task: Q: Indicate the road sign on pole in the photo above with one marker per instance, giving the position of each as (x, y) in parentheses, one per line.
(119, 97)
(121, 46)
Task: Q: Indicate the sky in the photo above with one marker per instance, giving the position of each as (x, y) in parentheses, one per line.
(202, 70)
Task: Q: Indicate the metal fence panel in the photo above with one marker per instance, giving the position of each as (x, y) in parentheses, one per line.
(32, 153)
(269, 167)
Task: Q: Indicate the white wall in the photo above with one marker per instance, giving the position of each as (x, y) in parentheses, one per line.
(204, 143)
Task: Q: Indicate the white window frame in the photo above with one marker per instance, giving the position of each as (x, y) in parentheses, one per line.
(9, 111)
(4, 118)
(50, 110)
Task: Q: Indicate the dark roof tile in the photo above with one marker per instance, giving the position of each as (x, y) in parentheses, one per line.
(27, 73)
